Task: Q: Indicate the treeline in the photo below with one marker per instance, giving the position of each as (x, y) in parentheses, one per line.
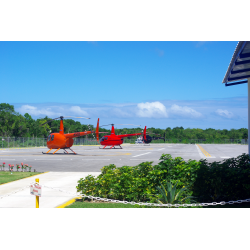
(192, 133)
(13, 124)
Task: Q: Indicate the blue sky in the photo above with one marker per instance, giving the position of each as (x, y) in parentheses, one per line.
(157, 84)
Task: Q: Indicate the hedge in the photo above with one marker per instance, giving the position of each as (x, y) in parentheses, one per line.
(208, 182)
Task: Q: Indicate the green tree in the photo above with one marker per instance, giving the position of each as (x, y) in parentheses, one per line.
(7, 108)
(44, 130)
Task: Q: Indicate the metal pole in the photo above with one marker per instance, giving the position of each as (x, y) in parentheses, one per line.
(249, 116)
(37, 197)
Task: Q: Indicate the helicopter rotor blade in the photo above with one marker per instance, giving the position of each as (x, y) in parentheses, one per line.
(101, 132)
(120, 124)
(61, 117)
(77, 117)
(49, 121)
(128, 124)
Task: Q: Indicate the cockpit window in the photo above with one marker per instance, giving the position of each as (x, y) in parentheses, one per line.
(52, 137)
(49, 137)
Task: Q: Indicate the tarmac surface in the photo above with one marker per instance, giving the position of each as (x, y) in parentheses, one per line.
(64, 170)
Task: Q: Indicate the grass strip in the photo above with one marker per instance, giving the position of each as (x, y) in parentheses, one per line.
(6, 177)
(80, 204)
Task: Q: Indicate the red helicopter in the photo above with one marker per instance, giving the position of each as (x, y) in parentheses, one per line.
(116, 140)
(65, 141)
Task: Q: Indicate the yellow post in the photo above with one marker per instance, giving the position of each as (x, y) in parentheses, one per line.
(37, 197)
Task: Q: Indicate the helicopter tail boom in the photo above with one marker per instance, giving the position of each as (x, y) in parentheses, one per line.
(97, 131)
(77, 134)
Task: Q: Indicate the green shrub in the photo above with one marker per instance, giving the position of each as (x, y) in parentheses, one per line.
(223, 181)
(208, 182)
(139, 183)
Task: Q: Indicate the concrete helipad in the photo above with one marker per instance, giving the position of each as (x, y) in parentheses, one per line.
(92, 159)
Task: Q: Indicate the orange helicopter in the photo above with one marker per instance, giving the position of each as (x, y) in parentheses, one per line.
(116, 140)
(65, 141)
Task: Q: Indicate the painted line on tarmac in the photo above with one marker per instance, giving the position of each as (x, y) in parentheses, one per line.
(120, 150)
(203, 151)
(142, 154)
(144, 159)
(225, 157)
(97, 159)
(48, 159)
(199, 151)
(8, 159)
(160, 149)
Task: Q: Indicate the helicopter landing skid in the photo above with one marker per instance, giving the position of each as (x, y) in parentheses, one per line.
(65, 151)
(112, 147)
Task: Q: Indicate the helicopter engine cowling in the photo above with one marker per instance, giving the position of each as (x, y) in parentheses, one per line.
(69, 142)
(148, 139)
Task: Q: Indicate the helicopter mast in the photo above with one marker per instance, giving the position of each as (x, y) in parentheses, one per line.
(112, 130)
(61, 131)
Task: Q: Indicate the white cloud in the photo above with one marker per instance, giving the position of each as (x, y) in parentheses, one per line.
(184, 111)
(34, 111)
(52, 111)
(224, 113)
(188, 113)
(76, 110)
(119, 112)
(151, 110)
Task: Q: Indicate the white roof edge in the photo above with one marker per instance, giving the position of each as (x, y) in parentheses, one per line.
(238, 49)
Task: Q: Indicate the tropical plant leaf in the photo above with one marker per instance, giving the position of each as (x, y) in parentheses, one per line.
(171, 194)
(163, 192)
